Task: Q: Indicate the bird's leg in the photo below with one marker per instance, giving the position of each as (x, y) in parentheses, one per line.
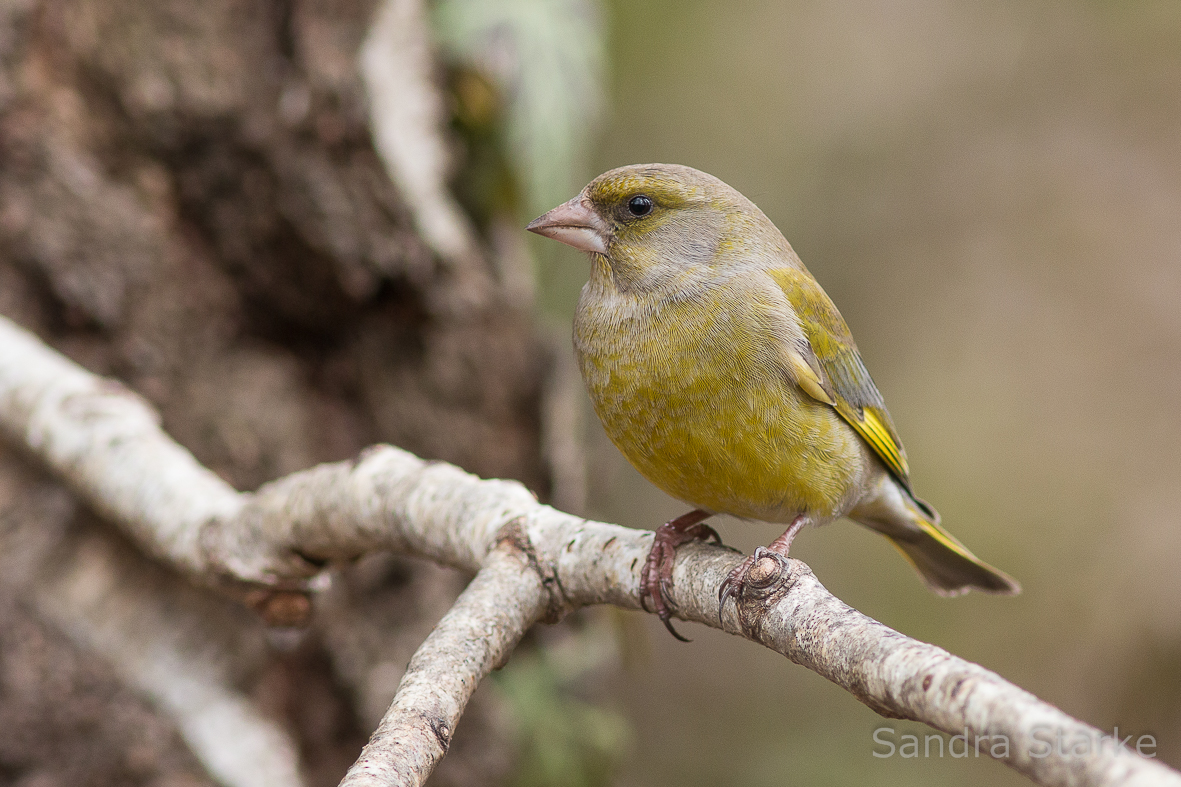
(658, 569)
(732, 586)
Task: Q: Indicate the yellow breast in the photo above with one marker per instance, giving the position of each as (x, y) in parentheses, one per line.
(690, 391)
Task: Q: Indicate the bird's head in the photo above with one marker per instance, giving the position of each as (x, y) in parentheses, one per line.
(655, 226)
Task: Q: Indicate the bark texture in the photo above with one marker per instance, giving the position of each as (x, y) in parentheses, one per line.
(191, 201)
(532, 562)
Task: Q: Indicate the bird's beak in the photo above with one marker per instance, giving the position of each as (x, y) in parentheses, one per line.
(574, 223)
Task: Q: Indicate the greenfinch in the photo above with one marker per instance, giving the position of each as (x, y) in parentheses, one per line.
(724, 373)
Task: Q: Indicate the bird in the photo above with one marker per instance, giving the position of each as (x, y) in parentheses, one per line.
(725, 374)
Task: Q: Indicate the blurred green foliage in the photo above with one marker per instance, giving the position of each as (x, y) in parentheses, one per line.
(527, 81)
(564, 738)
(546, 57)
(486, 184)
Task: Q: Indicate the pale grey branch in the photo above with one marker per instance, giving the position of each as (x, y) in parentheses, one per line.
(183, 650)
(159, 643)
(406, 114)
(106, 443)
(475, 636)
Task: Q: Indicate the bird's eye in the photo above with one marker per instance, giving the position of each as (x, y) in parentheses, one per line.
(639, 206)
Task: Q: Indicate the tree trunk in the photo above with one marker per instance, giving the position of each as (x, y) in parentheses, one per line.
(190, 201)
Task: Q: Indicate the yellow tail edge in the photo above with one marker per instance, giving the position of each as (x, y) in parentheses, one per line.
(947, 566)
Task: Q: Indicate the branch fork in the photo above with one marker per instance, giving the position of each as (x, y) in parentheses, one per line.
(531, 563)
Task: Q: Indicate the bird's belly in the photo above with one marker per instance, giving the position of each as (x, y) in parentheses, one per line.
(711, 422)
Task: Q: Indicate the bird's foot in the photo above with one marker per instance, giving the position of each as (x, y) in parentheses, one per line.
(777, 550)
(734, 583)
(658, 569)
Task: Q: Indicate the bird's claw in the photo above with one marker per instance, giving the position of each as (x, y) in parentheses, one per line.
(656, 576)
(668, 624)
(654, 585)
(703, 532)
(735, 581)
(763, 552)
(657, 589)
(724, 594)
(731, 586)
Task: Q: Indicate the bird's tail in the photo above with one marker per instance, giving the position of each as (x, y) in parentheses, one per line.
(946, 565)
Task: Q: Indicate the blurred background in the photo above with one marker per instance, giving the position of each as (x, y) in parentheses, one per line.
(200, 200)
(991, 194)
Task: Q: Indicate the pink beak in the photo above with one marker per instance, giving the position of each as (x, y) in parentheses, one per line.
(574, 223)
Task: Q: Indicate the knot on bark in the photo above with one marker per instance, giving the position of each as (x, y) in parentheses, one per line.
(281, 608)
(442, 732)
(765, 574)
(514, 537)
(769, 579)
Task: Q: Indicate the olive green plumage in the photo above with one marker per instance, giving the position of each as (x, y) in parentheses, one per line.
(726, 375)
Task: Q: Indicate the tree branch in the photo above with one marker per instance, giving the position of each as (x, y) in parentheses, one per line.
(106, 443)
(406, 115)
(477, 635)
(184, 650)
(150, 634)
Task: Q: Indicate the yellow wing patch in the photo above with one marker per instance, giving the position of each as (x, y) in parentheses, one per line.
(843, 381)
(875, 430)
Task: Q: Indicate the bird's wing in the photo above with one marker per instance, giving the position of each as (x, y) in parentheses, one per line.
(830, 370)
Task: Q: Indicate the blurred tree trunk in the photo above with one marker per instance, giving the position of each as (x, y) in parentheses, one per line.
(190, 201)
